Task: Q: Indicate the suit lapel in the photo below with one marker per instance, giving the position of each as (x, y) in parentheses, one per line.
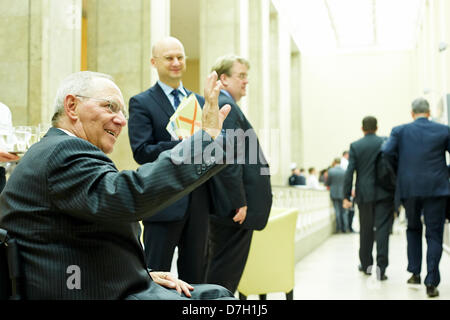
(161, 100)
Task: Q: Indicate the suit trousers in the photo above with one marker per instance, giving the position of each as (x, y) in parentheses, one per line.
(375, 219)
(190, 235)
(228, 252)
(341, 216)
(433, 210)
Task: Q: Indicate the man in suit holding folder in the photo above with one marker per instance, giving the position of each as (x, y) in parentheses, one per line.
(184, 224)
(75, 216)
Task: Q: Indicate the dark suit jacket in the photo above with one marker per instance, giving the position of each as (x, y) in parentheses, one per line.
(242, 184)
(419, 148)
(295, 180)
(362, 155)
(150, 112)
(335, 181)
(67, 204)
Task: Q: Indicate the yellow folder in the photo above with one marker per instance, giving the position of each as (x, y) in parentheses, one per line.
(186, 120)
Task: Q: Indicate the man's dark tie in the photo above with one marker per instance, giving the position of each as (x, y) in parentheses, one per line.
(176, 100)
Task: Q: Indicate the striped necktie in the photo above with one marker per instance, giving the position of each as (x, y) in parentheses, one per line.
(176, 100)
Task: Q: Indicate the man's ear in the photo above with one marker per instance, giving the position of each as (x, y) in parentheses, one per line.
(70, 107)
(223, 79)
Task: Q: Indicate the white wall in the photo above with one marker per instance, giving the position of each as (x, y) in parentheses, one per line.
(339, 90)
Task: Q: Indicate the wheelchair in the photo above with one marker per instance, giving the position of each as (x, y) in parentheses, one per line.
(10, 271)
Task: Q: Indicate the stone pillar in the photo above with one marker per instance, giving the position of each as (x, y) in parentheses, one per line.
(223, 30)
(39, 46)
(297, 154)
(280, 96)
(274, 152)
(259, 75)
(284, 106)
(120, 34)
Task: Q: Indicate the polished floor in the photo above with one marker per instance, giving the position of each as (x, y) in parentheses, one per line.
(330, 272)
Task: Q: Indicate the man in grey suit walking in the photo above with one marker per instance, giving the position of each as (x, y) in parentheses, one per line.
(419, 148)
(335, 181)
(376, 206)
(75, 216)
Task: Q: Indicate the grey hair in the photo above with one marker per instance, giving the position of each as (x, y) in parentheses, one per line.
(76, 83)
(420, 105)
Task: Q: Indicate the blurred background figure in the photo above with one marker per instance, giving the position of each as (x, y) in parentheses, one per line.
(312, 181)
(5, 131)
(296, 178)
(335, 181)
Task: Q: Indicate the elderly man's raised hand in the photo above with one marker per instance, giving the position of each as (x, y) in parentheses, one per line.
(212, 117)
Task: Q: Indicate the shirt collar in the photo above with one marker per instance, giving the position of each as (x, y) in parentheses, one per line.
(67, 132)
(168, 89)
(225, 92)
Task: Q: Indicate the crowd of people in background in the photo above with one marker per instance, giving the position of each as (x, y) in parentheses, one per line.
(407, 169)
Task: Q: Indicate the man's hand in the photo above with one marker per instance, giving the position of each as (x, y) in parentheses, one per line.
(168, 280)
(212, 117)
(6, 156)
(241, 213)
(346, 204)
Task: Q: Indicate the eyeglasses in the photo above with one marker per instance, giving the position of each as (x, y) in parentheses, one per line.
(112, 106)
(241, 76)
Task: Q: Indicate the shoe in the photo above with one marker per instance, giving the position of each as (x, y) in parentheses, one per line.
(432, 291)
(383, 277)
(415, 279)
(367, 271)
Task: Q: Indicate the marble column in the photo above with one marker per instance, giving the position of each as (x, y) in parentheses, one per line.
(120, 34)
(39, 46)
(280, 99)
(223, 30)
(259, 76)
(297, 154)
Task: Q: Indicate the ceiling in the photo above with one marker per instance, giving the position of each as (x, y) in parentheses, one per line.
(324, 25)
(333, 25)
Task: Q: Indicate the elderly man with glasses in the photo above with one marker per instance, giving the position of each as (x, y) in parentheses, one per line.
(75, 216)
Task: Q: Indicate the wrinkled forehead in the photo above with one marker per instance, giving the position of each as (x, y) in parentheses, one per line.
(105, 88)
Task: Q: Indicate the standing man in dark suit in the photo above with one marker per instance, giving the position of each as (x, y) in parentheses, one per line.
(376, 207)
(184, 224)
(335, 181)
(296, 179)
(419, 148)
(242, 194)
(75, 216)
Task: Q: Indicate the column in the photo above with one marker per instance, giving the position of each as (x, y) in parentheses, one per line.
(223, 30)
(120, 34)
(284, 104)
(259, 81)
(39, 46)
(297, 154)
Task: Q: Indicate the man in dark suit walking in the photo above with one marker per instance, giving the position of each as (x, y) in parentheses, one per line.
(335, 181)
(419, 148)
(75, 216)
(184, 224)
(376, 207)
(242, 194)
